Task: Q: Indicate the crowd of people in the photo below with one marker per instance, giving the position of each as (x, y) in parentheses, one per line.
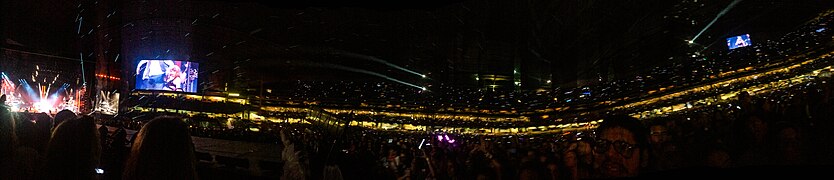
(431, 121)
(787, 127)
(682, 71)
(782, 128)
(71, 146)
(185, 104)
(785, 130)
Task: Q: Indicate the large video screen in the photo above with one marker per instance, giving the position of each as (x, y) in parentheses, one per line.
(739, 41)
(167, 75)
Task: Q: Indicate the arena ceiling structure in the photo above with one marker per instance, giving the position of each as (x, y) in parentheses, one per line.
(571, 40)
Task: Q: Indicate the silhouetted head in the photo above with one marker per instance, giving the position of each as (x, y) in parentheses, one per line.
(63, 116)
(787, 138)
(162, 150)
(74, 150)
(43, 121)
(26, 133)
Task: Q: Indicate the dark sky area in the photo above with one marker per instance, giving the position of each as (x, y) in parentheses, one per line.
(305, 40)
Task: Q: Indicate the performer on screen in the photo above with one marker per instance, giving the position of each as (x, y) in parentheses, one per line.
(173, 79)
(740, 42)
(152, 73)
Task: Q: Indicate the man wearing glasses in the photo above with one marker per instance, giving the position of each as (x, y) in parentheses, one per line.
(620, 147)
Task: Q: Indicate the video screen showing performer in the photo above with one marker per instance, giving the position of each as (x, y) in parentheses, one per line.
(167, 75)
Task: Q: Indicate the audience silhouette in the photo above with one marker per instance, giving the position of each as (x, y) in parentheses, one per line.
(74, 150)
(163, 150)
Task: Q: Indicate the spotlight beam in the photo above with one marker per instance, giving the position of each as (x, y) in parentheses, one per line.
(82, 68)
(724, 11)
(29, 91)
(328, 65)
(375, 59)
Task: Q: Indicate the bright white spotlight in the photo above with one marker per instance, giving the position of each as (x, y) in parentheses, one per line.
(15, 107)
(423, 75)
(690, 41)
(42, 106)
(423, 88)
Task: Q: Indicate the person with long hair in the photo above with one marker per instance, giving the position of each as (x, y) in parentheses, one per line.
(173, 79)
(162, 150)
(8, 139)
(43, 128)
(73, 151)
(62, 116)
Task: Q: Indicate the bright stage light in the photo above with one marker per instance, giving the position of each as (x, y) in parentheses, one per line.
(43, 106)
(15, 107)
(36, 97)
(690, 41)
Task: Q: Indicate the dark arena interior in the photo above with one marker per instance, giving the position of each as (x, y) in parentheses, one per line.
(458, 89)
